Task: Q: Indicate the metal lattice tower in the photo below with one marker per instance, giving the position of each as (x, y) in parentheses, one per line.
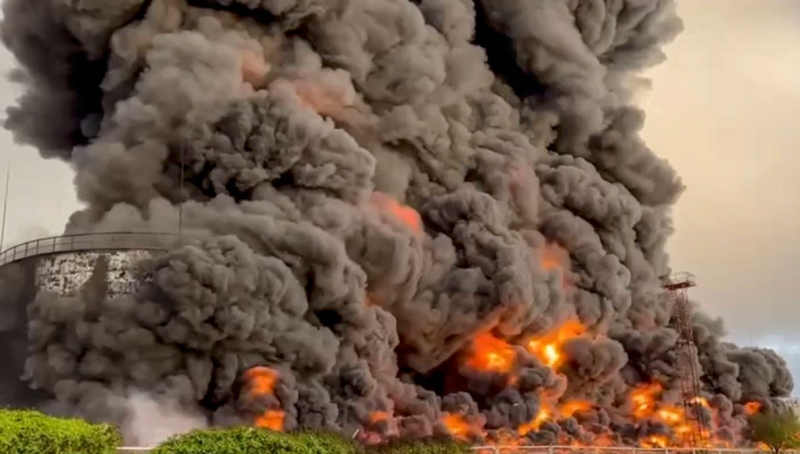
(677, 285)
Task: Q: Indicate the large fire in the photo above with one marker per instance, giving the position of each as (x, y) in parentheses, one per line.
(459, 427)
(643, 400)
(271, 419)
(490, 354)
(261, 382)
(543, 416)
(572, 407)
(547, 347)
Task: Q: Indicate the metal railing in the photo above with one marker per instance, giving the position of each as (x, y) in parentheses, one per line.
(88, 242)
(610, 450)
(570, 450)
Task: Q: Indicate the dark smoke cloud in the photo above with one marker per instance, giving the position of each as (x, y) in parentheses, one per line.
(308, 128)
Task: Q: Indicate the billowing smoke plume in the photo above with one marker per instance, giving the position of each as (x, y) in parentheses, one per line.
(406, 217)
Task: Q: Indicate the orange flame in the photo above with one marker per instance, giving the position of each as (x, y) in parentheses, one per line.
(534, 424)
(701, 401)
(554, 258)
(670, 415)
(643, 399)
(490, 354)
(405, 214)
(655, 441)
(271, 419)
(574, 406)
(261, 380)
(547, 346)
(684, 431)
(458, 427)
(603, 440)
(378, 416)
(752, 408)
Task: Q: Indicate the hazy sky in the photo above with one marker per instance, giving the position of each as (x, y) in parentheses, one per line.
(722, 110)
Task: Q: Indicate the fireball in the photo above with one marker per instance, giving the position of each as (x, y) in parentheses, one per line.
(490, 354)
(547, 347)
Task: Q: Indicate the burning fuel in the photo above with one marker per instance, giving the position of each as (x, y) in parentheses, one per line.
(400, 219)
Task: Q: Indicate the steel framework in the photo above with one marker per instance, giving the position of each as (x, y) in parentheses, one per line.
(678, 285)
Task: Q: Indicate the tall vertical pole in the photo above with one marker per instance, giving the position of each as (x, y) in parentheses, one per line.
(5, 209)
(677, 286)
(180, 207)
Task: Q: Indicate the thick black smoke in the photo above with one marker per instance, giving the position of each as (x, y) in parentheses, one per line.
(309, 127)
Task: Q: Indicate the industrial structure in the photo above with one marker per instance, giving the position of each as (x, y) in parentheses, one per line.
(65, 266)
(678, 285)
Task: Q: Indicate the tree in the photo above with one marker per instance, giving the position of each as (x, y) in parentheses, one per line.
(777, 430)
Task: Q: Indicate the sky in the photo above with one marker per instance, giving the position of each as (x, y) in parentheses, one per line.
(722, 110)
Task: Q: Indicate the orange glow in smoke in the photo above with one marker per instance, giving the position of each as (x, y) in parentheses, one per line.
(547, 346)
(655, 441)
(752, 408)
(378, 416)
(403, 213)
(574, 406)
(643, 399)
(701, 401)
(490, 354)
(603, 440)
(254, 68)
(565, 410)
(534, 424)
(322, 99)
(271, 419)
(457, 426)
(670, 415)
(556, 258)
(261, 380)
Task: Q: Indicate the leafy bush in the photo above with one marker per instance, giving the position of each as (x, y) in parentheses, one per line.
(241, 440)
(422, 447)
(778, 430)
(328, 442)
(31, 432)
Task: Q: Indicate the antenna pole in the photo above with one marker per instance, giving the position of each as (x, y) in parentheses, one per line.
(180, 207)
(5, 209)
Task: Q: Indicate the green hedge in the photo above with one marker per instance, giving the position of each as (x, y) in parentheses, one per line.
(327, 442)
(248, 440)
(31, 432)
(422, 447)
